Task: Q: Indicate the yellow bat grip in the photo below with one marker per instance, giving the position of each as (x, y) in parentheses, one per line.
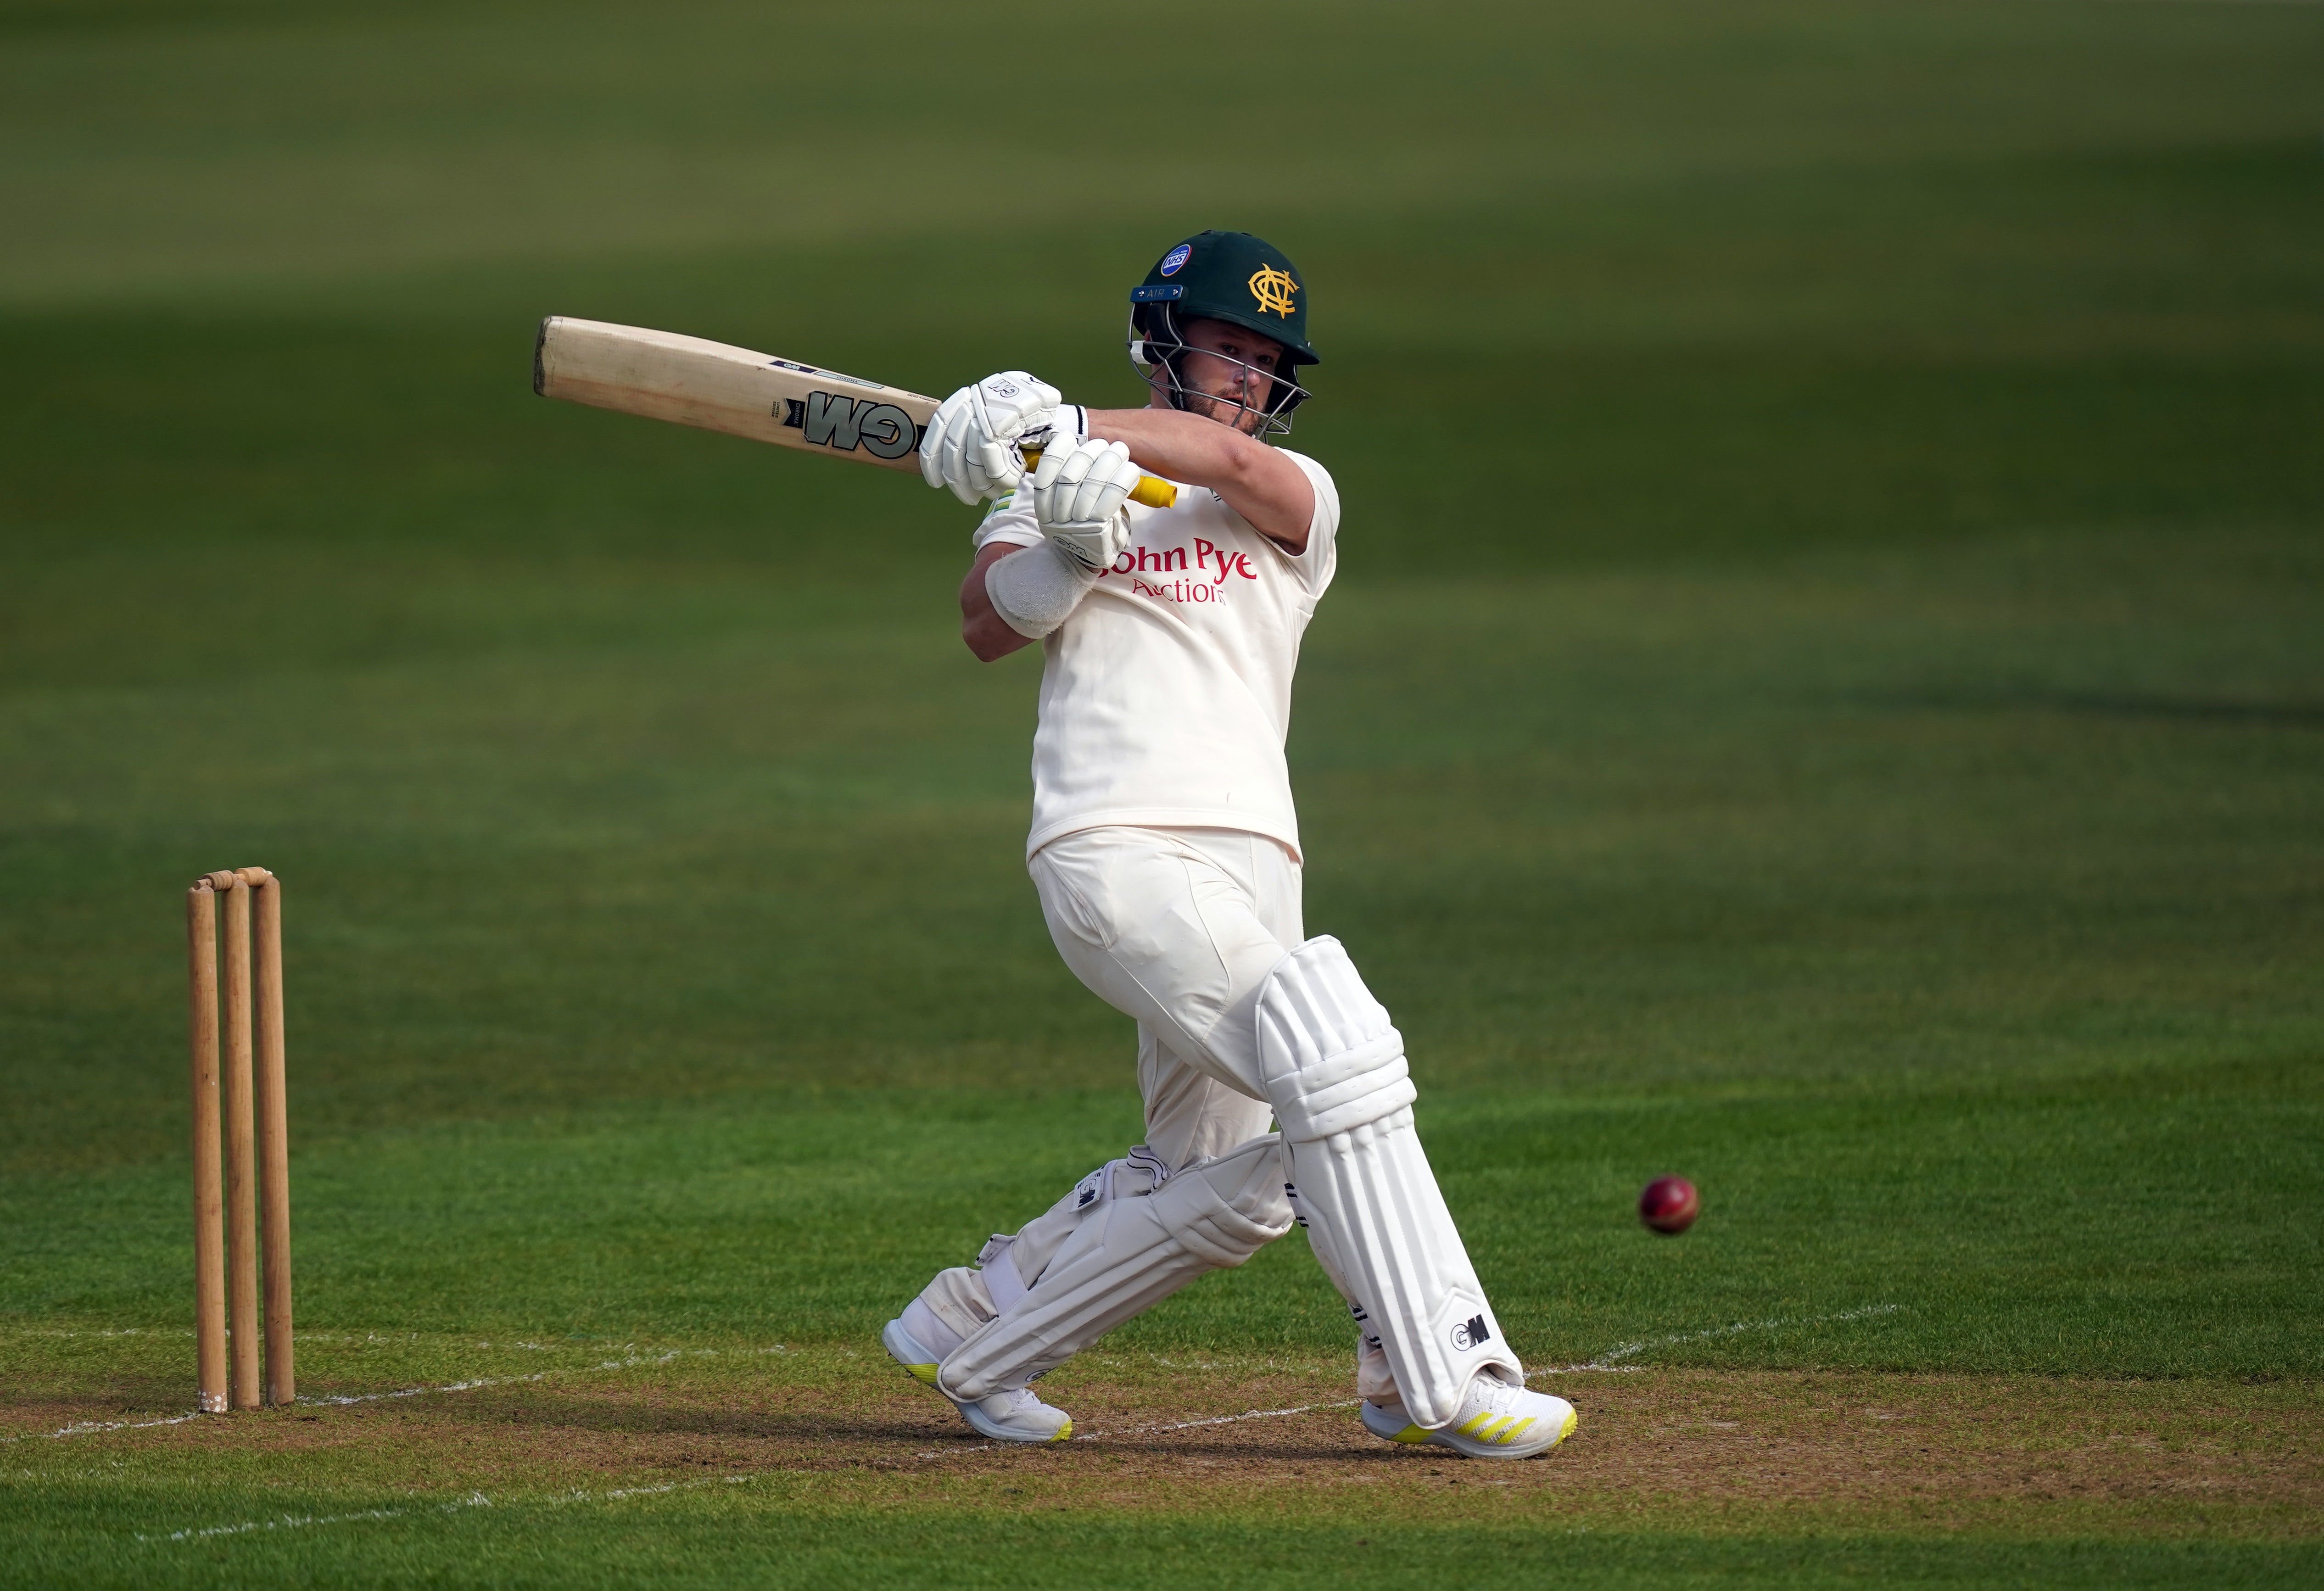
(1152, 491)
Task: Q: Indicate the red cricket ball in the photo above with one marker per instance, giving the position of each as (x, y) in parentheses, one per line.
(1669, 1205)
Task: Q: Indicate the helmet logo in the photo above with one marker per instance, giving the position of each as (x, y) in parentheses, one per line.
(1176, 259)
(1273, 289)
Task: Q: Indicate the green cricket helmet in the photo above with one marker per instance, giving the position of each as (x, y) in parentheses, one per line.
(1230, 276)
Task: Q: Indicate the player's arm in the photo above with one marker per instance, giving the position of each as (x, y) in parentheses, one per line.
(1016, 594)
(1260, 483)
(988, 634)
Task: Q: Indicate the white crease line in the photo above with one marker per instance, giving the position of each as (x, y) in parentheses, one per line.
(89, 1428)
(413, 1391)
(1611, 1359)
(93, 1427)
(1606, 1363)
(473, 1500)
(110, 1331)
(1099, 1435)
(630, 1363)
(295, 1521)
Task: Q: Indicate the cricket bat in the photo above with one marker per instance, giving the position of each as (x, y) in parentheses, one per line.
(692, 381)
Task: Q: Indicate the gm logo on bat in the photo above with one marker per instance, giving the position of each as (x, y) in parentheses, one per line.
(833, 420)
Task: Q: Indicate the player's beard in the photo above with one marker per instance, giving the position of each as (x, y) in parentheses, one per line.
(1226, 409)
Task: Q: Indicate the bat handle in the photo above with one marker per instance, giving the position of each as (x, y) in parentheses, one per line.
(1152, 491)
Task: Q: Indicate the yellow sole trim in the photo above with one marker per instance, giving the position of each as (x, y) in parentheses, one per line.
(922, 1373)
(1065, 1432)
(1412, 1434)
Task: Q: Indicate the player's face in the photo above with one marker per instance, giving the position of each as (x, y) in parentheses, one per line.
(1229, 374)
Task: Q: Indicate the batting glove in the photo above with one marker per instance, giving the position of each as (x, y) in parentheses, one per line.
(971, 444)
(1078, 496)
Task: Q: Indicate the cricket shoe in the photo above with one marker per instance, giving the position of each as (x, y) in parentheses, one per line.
(1496, 1421)
(1012, 1416)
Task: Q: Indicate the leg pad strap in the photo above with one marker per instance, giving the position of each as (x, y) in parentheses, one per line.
(1124, 1254)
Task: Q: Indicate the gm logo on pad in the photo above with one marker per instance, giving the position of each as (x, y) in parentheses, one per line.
(1470, 1333)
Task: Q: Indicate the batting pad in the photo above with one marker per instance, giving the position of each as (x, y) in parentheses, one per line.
(1125, 1255)
(1333, 1068)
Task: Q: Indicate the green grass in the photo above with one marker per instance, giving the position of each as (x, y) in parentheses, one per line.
(2099, 1226)
(731, 1538)
(1825, 694)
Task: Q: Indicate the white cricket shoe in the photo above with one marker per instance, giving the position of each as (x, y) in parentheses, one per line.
(1496, 1421)
(1014, 1416)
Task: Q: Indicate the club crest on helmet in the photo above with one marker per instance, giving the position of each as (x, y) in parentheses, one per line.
(1273, 289)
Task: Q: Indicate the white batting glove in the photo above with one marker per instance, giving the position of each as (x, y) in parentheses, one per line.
(970, 441)
(1066, 425)
(1078, 496)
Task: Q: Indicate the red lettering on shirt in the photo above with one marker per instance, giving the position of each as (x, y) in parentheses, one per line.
(1142, 560)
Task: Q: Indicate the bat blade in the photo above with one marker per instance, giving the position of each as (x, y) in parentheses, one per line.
(693, 381)
(717, 387)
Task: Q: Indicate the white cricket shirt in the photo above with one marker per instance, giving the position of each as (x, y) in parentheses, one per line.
(1166, 696)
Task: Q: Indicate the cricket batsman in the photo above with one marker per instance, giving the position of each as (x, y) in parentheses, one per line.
(1164, 848)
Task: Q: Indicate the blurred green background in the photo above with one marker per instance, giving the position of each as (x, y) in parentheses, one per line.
(1825, 691)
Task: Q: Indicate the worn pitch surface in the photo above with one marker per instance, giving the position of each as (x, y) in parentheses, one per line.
(1734, 1449)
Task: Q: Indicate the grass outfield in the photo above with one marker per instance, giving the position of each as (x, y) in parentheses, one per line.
(1825, 694)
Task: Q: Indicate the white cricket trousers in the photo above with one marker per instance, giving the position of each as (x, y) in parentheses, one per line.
(1177, 928)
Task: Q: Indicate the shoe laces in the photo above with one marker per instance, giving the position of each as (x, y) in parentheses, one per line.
(1491, 1392)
